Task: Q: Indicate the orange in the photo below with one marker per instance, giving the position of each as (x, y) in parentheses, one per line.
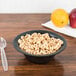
(59, 17)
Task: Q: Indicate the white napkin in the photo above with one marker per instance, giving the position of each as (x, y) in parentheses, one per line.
(67, 30)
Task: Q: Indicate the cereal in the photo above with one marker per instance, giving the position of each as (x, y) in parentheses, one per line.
(39, 44)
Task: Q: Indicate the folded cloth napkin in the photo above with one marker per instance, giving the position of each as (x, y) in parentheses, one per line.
(67, 30)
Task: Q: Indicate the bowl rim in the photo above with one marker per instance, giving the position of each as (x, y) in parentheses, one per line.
(15, 43)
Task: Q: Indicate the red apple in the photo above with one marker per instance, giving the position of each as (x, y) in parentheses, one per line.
(73, 18)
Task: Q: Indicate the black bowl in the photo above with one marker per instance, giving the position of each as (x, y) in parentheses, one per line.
(39, 58)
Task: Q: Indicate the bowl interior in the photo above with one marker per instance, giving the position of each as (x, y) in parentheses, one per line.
(51, 34)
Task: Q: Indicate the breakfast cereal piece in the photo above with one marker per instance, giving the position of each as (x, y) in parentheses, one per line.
(22, 37)
(19, 41)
